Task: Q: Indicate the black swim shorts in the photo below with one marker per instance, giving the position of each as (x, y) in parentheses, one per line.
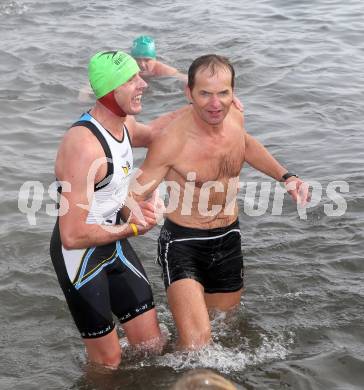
(213, 257)
(108, 279)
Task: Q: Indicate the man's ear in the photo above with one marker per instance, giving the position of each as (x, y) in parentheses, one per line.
(188, 93)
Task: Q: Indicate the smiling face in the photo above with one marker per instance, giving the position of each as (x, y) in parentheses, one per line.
(211, 94)
(128, 96)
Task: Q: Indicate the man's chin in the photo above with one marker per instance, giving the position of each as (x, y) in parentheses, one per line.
(215, 121)
(135, 110)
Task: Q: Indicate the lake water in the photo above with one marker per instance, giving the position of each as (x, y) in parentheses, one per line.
(300, 75)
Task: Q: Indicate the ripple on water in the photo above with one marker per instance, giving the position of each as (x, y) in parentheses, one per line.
(336, 369)
(13, 7)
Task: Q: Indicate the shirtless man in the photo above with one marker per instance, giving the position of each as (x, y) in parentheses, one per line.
(98, 270)
(200, 155)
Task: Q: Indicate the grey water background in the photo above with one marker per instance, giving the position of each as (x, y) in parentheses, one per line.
(300, 75)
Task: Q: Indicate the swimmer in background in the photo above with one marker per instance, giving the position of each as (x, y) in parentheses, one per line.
(144, 52)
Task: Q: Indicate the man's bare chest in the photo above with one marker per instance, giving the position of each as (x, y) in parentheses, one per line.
(206, 161)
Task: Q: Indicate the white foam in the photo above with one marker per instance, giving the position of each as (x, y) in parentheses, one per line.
(219, 357)
(225, 359)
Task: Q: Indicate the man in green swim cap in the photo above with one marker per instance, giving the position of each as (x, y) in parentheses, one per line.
(98, 270)
(113, 77)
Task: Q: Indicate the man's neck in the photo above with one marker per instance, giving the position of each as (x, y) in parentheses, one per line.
(108, 119)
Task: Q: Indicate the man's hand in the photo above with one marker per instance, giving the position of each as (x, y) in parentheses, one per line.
(298, 190)
(148, 214)
(238, 104)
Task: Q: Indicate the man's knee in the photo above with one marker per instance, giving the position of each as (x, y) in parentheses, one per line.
(110, 357)
(194, 337)
(202, 336)
(111, 360)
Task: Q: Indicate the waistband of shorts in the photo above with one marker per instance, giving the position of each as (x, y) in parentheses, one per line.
(195, 232)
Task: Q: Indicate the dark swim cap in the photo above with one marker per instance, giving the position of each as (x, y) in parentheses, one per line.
(143, 47)
(108, 70)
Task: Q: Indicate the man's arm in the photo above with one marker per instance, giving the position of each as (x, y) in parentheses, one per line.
(161, 69)
(75, 161)
(160, 158)
(259, 158)
(142, 135)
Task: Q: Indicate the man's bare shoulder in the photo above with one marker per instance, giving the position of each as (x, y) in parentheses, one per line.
(130, 123)
(236, 116)
(78, 147)
(170, 142)
(175, 133)
(80, 139)
(236, 112)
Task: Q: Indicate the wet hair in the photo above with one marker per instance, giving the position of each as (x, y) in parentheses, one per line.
(212, 62)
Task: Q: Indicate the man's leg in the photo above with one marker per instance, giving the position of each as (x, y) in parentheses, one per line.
(187, 303)
(132, 301)
(144, 331)
(225, 283)
(89, 303)
(104, 350)
(223, 301)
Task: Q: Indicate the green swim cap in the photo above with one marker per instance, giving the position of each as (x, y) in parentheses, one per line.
(107, 70)
(143, 47)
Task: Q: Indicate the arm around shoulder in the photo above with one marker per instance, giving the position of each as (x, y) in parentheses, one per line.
(142, 135)
(161, 156)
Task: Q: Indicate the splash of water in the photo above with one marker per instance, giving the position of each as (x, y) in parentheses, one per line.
(225, 359)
